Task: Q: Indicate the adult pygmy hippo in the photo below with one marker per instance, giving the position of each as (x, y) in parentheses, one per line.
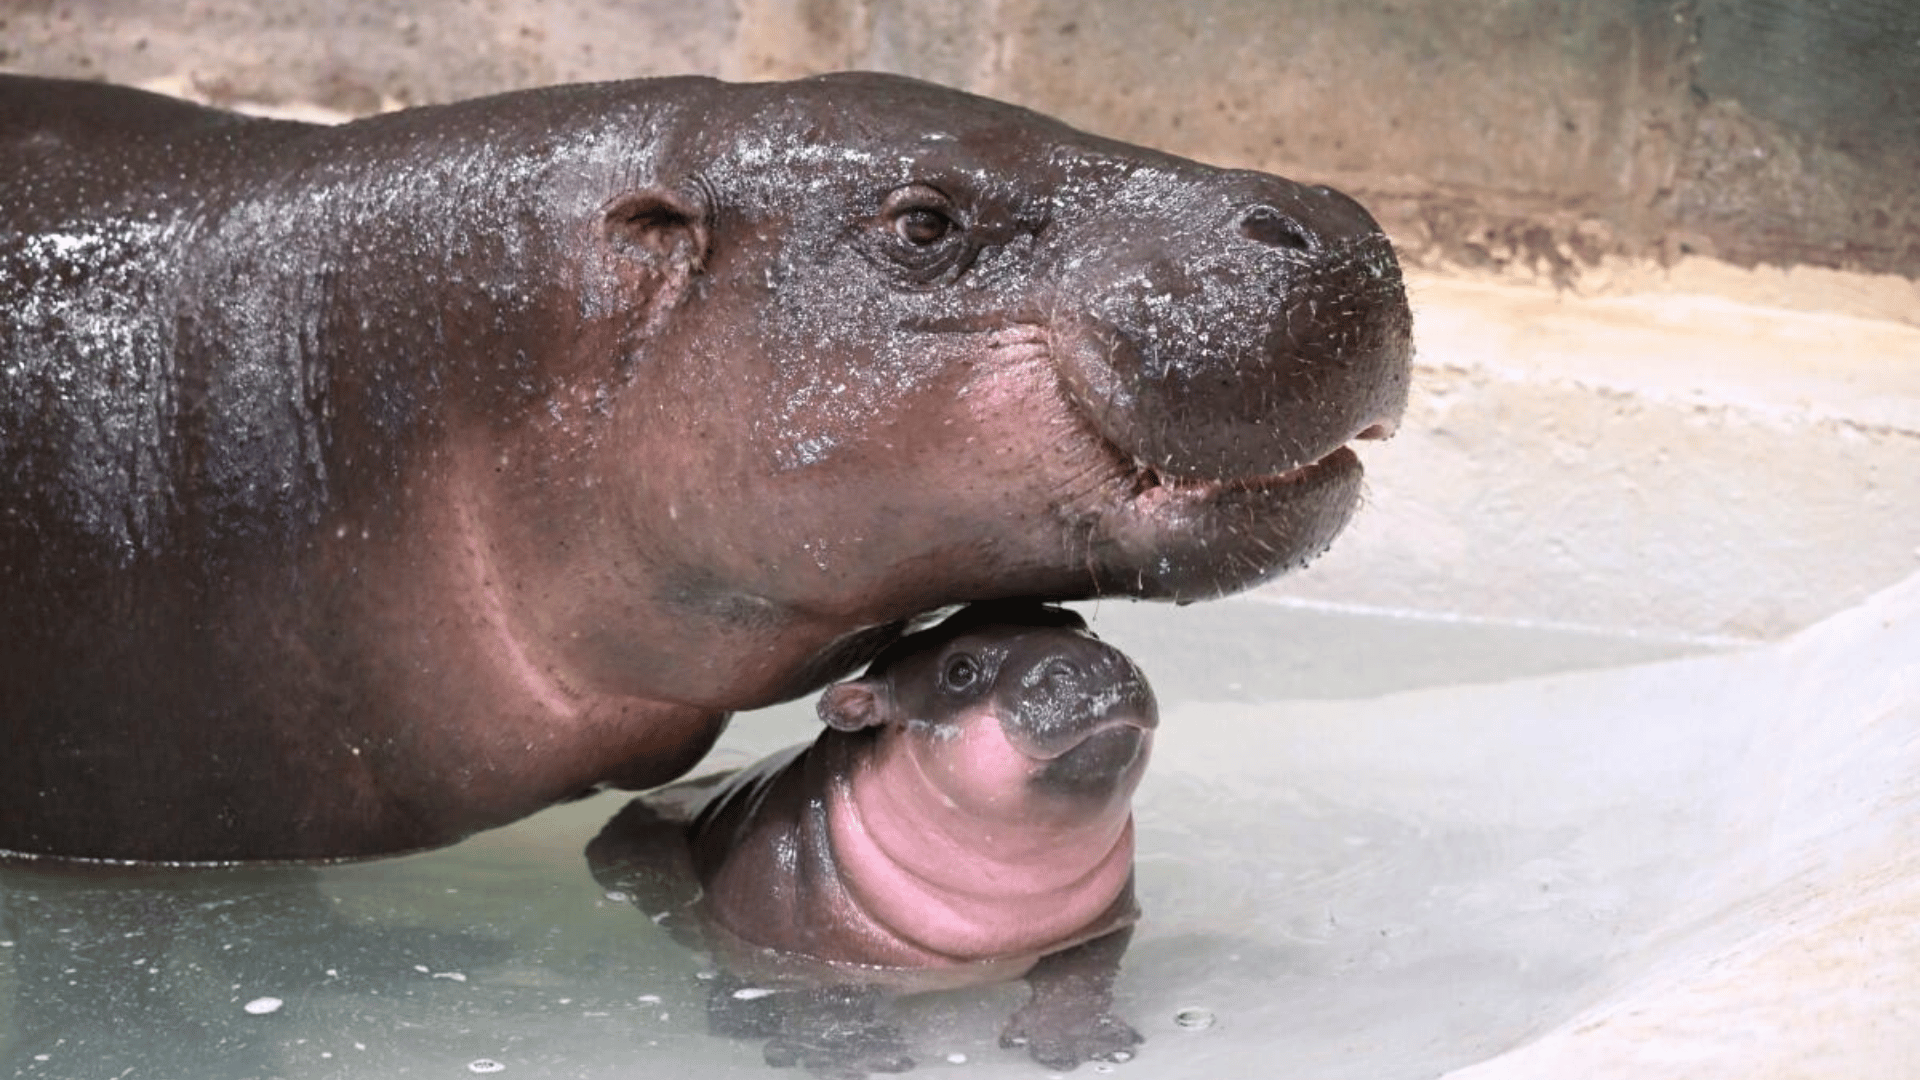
(965, 818)
(370, 485)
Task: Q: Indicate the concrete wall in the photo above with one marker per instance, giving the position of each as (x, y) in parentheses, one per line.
(1534, 137)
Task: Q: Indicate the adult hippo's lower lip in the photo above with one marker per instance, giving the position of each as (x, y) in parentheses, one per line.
(1181, 538)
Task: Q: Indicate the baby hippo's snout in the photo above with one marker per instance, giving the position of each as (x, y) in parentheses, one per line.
(1078, 704)
(1067, 688)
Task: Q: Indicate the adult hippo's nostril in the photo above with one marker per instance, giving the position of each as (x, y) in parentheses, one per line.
(1268, 226)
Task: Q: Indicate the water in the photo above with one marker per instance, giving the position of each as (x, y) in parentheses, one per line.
(1351, 866)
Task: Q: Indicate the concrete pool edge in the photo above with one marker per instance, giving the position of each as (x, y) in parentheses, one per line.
(1669, 465)
(1798, 959)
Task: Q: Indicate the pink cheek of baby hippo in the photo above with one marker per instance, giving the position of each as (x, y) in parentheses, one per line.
(970, 764)
(957, 805)
(945, 844)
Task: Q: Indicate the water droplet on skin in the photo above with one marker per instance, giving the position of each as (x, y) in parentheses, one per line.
(1194, 1019)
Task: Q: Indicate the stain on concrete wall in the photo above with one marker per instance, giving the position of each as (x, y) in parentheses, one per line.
(1806, 136)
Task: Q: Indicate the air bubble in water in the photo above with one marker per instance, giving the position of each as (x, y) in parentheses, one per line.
(1194, 1018)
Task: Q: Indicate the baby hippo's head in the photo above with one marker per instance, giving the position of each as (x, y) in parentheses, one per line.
(1010, 711)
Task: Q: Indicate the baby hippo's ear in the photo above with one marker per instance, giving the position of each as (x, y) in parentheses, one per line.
(851, 706)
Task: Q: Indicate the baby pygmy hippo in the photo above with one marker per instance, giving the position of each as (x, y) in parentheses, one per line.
(964, 819)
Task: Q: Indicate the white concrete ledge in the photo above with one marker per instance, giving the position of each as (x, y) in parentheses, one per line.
(1669, 465)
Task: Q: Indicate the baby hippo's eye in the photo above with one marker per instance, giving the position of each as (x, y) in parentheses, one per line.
(960, 673)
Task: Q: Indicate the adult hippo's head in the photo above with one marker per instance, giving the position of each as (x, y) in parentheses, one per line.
(885, 347)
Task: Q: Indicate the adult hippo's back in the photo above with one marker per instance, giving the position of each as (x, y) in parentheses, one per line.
(367, 486)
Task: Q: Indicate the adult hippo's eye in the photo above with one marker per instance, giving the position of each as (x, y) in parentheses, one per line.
(922, 226)
(961, 672)
(924, 233)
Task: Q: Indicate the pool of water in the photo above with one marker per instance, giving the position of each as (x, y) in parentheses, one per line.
(1368, 847)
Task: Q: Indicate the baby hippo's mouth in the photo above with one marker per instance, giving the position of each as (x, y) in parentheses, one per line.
(1063, 706)
(1081, 711)
(1099, 763)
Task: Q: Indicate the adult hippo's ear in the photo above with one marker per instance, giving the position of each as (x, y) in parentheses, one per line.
(853, 706)
(658, 240)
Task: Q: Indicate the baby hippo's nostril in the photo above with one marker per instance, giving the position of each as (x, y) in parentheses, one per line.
(1268, 226)
(1061, 674)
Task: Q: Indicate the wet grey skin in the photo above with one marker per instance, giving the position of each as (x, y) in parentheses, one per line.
(371, 485)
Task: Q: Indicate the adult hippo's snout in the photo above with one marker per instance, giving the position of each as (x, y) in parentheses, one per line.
(1256, 331)
(1229, 334)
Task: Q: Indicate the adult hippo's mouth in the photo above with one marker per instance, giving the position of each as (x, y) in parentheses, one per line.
(1153, 489)
(1162, 534)
(1186, 539)
(1224, 384)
